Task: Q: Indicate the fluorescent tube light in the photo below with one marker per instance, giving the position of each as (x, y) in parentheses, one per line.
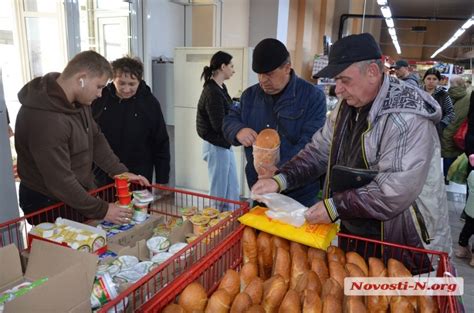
(392, 32)
(386, 11)
(382, 2)
(389, 22)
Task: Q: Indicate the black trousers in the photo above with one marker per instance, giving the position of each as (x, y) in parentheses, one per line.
(32, 201)
(466, 232)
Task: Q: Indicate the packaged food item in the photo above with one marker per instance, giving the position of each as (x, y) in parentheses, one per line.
(187, 213)
(143, 196)
(157, 244)
(127, 276)
(190, 237)
(199, 224)
(224, 215)
(103, 290)
(45, 230)
(121, 181)
(143, 267)
(140, 215)
(126, 261)
(125, 199)
(173, 222)
(162, 230)
(161, 257)
(20, 290)
(210, 212)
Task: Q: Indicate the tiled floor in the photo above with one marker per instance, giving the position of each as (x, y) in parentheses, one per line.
(456, 201)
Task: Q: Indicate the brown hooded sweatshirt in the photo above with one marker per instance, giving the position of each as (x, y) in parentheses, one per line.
(57, 142)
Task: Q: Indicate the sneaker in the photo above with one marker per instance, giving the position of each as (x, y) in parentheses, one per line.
(464, 253)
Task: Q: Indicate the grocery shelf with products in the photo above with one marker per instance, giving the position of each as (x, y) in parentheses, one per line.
(172, 210)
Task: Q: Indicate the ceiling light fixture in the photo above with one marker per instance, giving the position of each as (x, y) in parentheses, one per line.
(455, 36)
(389, 22)
(387, 14)
(382, 2)
(386, 11)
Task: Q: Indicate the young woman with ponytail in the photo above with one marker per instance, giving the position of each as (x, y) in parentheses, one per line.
(214, 104)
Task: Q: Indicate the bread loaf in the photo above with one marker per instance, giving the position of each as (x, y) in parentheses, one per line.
(354, 271)
(255, 290)
(255, 309)
(400, 305)
(355, 258)
(219, 302)
(282, 264)
(308, 281)
(264, 255)
(230, 283)
(336, 254)
(332, 305)
(321, 269)
(354, 305)
(377, 303)
(396, 268)
(299, 265)
(312, 302)
(291, 303)
(427, 304)
(241, 303)
(274, 290)
(249, 245)
(248, 272)
(298, 246)
(278, 242)
(173, 308)
(316, 253)
(193, 298)
(332, 289)
(268, 139)
(338, 272)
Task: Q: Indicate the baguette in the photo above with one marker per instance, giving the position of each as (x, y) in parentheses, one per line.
(316, 253)
(338, 272)
(264, 255)
(255, 309)
(332, 289)
(274, 290)
(355, 258)
(354, 270)
(278, 242)
(291, 303)
(241, 303)
(331, 305)
(427, 304)
(173, 308)
(219, 302)
(193, 298)
(400, 305)
(354, 305)
(282, 264)
(336, 254)
(321, 269)
(308, 281)
(255, 290)
(312, 302)
(298, 246)
(230, 283)
(299, 265)
(377, 303)
(249, 245)
(396, 268)
(247, 273)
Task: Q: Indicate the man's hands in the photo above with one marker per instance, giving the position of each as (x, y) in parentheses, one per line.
(263, 186)
(317, 214)
(139, 179)
(118, 215)
(246, 136)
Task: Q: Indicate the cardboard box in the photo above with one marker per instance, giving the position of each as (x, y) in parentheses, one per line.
(70, 276)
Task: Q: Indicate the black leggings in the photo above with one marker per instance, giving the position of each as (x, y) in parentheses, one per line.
(466, 232)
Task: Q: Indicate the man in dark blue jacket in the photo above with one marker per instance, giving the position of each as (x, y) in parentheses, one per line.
(282, 101)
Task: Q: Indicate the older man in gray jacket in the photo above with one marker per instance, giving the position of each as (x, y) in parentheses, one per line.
(384, 126)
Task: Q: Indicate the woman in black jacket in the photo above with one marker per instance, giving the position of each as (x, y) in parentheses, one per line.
(213, 105)
(131, 119)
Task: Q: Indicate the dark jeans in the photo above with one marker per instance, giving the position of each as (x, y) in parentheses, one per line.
(32, 201)
(466, 232)
(446, 164)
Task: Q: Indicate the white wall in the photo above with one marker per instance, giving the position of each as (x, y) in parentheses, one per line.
(282, 21)
(263, 20)
(235, 23)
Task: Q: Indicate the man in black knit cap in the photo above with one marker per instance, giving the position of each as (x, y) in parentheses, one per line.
(282, 101)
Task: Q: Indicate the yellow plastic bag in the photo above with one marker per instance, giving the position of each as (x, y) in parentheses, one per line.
(314, 235)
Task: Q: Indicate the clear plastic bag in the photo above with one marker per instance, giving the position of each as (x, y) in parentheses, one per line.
(264, 160)
(283, 208)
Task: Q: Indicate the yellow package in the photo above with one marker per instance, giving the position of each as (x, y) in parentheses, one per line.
(313, 235)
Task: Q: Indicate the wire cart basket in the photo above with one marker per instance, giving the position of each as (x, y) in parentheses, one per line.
(132, 298)
(211, 269)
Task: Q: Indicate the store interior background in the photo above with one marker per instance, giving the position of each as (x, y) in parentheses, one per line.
(39, 36)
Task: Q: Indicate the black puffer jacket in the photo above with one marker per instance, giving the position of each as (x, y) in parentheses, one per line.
(213, 105)
(136, 131)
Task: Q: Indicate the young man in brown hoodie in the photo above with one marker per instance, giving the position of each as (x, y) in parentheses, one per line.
(57, 141)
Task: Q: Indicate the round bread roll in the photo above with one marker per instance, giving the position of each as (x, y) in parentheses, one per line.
(308, 281)
(291, 303)
(354, 271)
(316, 253)
(193, 298)
(230, 283)
(219, 302)
(173, 308)
(278, 242)
(282, 263)
(255, 290)
(400, 305)
(354, 305)
(321, 269)
(255, 309)
(268, 139)
(248, 272)
(355, 258)
(299, 265)
(274, 290)
(338, 272)
(264, 255)
(336, 254)
(249, 245)
(427, 304)
(332, 305)
(241, 303)
(312, 302)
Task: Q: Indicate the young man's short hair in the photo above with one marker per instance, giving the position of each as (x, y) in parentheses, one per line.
(90, 61)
